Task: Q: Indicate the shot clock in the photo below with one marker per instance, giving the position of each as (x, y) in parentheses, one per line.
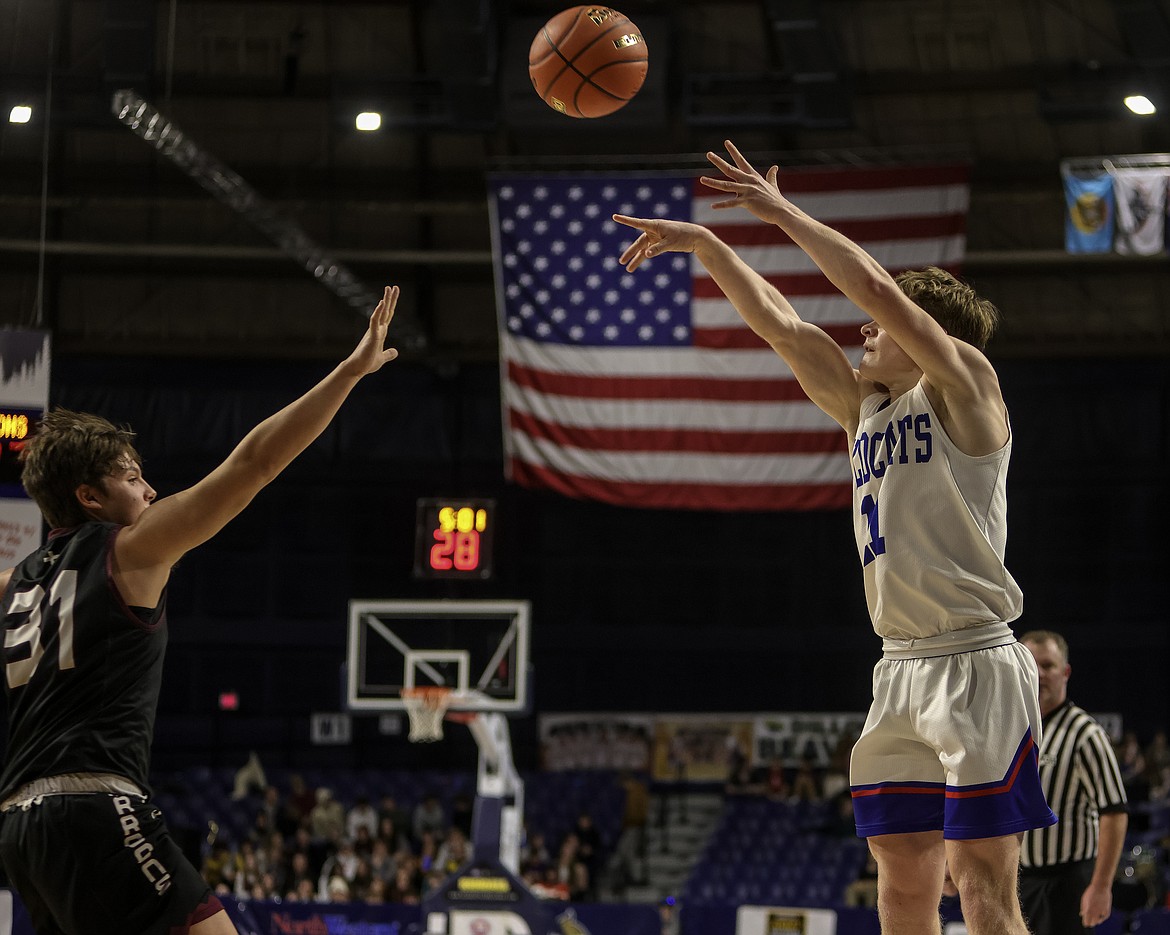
(453, 538)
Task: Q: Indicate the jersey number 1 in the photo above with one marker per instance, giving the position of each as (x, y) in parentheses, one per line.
(62, 594)
(877, 543)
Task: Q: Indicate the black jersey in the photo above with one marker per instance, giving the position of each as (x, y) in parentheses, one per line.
(82, 669)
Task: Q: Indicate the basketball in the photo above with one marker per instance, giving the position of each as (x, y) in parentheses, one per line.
(587, 61)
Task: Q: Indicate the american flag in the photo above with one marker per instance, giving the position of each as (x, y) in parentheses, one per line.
(646, 389)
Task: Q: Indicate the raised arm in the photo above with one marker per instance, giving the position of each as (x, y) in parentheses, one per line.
(817, 362)
(960, 376)
(145, 550)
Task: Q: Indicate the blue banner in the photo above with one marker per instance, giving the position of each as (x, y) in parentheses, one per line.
(1090, 213)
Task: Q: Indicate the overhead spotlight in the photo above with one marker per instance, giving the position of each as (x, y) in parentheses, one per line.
(21, 113)
(368, 120)
(1140, 105)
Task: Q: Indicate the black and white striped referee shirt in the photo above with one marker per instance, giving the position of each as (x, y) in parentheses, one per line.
(1081, 781)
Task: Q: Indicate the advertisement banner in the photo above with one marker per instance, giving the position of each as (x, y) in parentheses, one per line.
(778, 920)
(791, 738)
(596, 741)
(698, 747)
(24, 394)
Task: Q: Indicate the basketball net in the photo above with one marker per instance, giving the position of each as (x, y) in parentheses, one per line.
(426, 705)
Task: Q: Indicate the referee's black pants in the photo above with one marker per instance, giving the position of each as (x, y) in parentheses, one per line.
(1051, 897)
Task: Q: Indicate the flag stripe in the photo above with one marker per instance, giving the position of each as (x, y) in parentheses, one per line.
(674, 439)
(859, 230)
(745, 337)
(676, 388)
(718, 312)
(706, 415)
(729, 470)
(778, 259)
(678, 496)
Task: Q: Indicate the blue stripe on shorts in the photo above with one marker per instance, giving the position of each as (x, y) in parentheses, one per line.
(987, 810)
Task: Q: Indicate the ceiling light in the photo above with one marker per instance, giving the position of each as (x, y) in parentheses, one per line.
(21, 113)
(1140, 104)
(368, 120)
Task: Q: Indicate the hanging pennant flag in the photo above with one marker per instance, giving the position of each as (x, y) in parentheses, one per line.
(1141, 210)
(1089, 218)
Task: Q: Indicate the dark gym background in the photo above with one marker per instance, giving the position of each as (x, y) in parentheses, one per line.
(170, 311)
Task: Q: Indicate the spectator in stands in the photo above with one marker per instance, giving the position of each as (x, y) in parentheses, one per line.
(462, 814)
(300, 873)
(836, 776)
(1133, 767)
(570, 871)
(337, 891)
(327, 819)
(249, 872)
(863, 890)
(404, 889)
(375, 893)
(219, 870)
(589, 847)
(268, 888)
(806, 782)
(362, 815)
(535, 853)
(428, 852)
(635, 817)
(260, 831)
(305, 892)
(776, 785)
(315, 851)
(742, 781)
(1157, 753)
(388, 808)
(668, 915)
(249, 778)
(363, 843)
(342, 863)
(453, 853)
(841, 822)
(392, 834)
(382, 862)
(300, 802)
(275, 862)
(272, 806)
(432, 882)
(552, 886)
(429, 816)
(362, 876)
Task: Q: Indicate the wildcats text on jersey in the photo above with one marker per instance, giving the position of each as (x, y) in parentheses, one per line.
(874, 452)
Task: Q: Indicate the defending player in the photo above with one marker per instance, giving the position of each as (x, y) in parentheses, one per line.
(85, 631)
(945, 770)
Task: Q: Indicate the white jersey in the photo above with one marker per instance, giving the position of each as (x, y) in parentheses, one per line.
(931, 523)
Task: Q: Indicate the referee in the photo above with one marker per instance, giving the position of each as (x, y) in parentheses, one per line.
(1066, 870)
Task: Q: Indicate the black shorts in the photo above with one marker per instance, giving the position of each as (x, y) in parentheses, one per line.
(98, 863)
(1051, 897)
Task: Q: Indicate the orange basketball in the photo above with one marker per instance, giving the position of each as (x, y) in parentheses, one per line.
(587, 61)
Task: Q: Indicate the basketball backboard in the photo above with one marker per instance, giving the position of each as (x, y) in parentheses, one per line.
(479, 649)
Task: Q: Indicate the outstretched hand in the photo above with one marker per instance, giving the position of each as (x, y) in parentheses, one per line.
(371, 351)
(658, 236)
(760, 194)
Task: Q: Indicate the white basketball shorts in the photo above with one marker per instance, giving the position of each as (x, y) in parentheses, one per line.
(951, 743)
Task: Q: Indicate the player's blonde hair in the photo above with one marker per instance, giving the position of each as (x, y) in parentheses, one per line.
(69, 449)
(953, 304)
